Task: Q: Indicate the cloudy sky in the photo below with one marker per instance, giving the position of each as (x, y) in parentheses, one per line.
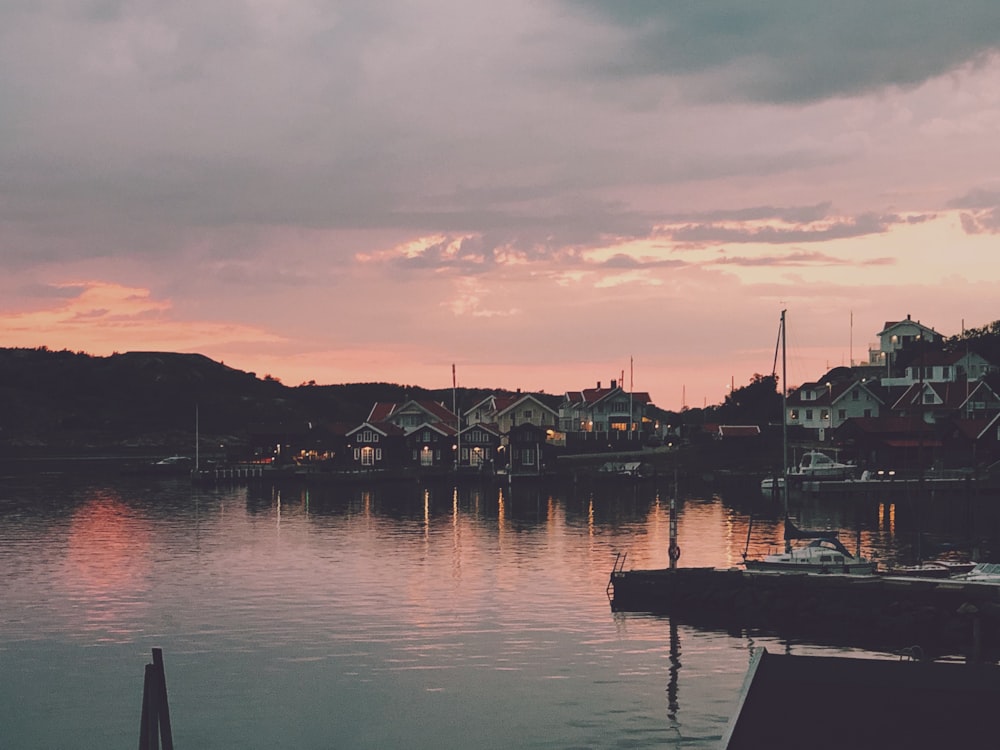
(541, 193)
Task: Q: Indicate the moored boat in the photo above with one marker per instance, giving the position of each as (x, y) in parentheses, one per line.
(818, 465)
(823, 554)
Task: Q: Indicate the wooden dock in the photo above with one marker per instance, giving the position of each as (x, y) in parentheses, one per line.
(941, 616)
(788, 702)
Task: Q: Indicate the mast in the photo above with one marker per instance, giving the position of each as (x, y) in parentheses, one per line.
(784, 416)
(458, 418)
(196, 438)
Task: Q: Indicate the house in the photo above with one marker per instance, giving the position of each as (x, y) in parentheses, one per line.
(818, 407)
(412, 414)
(894, 337)
(376, 446)
(479, 445)
(432, 445)
(889, 443)
(938, 401)
(526, 409)
(940, 366)
(526, 452)
(605, 412)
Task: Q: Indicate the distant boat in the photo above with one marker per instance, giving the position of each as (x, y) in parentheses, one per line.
(818, 465)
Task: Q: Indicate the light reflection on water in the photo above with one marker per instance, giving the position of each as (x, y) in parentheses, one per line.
(385, 617)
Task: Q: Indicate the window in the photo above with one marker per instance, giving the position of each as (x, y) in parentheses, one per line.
(426, 457)
(841, 414)
(868, 412)
(477, 457)
(367, 456)
(928, 398)
(793, 415)
(945, 372)
(527, 414)
(809, 414)
(528, 457)
(855, 394)
(824, 415)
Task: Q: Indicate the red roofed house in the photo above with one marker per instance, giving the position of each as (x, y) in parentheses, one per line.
(604, 410)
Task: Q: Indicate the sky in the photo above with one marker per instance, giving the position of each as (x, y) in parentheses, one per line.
(544, 194)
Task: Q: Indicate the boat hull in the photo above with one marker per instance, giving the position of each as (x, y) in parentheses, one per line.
(855, 568)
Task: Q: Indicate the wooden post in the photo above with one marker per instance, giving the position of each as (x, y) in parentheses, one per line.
(154, 724)
(166, 734)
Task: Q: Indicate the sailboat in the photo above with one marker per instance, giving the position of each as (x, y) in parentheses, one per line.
(778, 485)
(824, 553)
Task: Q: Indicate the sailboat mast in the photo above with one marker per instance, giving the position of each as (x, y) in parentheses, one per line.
(784, 416)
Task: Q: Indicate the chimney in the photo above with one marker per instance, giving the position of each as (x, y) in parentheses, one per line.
(614, 384)
(598, 385)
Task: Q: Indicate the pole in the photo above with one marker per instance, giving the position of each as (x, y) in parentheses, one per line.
(458, 419)
(674, 551)
(784, 415)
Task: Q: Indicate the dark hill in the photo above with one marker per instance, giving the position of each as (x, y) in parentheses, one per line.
(146, 401)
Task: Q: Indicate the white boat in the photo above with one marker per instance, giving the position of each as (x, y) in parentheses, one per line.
(982, 573)
(823, 554)
(818, 465)
(772, 485)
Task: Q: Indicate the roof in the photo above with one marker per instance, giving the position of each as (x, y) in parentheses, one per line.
(738, 430)
(385, 410)
(890, 324)
(517, 400)
(384, 428)
(590, 396)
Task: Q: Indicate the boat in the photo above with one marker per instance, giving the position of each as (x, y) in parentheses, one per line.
(627, 469)
(817, 465)
(982, 573)
(823, 554)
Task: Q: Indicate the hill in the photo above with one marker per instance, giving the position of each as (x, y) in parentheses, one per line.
(147, 401)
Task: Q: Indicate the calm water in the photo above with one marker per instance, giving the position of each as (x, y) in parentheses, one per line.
(392, 617)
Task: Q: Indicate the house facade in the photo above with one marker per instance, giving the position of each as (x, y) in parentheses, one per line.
(603, 411)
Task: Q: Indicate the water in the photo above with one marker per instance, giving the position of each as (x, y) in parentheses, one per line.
(386, 617)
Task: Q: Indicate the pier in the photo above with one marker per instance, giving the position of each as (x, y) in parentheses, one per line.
(940, 616)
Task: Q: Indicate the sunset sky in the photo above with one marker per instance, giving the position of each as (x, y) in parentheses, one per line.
(537, 192)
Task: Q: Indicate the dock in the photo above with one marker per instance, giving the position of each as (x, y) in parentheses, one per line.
(788, 702)
(940, 616)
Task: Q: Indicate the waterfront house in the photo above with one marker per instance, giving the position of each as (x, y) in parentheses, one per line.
(478, 446)
(432, 445)
(527, 452)
(605, 415)
(375, 446)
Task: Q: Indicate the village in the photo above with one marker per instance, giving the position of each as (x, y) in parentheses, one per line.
(918, 403)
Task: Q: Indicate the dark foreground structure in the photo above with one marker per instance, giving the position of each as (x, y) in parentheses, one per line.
(940, 616)
(791, 702)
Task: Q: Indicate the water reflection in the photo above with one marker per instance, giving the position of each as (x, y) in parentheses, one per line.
(294, 615)
(108, 552)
